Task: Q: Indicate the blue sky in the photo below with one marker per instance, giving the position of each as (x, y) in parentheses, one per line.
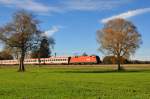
(73, 23)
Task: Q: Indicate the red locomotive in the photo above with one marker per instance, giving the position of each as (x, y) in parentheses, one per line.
(84, 60)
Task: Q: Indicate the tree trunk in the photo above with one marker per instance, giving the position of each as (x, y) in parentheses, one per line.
(119, 63)
(39, 58)
(21, 65)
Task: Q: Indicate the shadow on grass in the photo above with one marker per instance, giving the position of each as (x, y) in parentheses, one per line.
(104, 71)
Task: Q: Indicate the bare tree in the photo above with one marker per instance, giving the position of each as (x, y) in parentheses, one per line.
(120, 38)
(21, 33)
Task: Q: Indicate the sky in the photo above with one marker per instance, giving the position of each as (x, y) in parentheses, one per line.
(74, 23)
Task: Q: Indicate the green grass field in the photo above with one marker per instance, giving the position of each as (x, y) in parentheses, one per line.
(75, 82)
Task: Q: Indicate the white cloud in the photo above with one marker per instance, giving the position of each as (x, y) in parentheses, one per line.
(90, 5)
(52, 31)
(6, 1)
(30, 5)
(63, 5)
(128, 14)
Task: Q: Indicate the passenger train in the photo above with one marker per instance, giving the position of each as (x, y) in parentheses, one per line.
(56, 60)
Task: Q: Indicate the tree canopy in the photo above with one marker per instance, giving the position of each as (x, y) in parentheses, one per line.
(120, 38)
(21, 33)
(45, 48)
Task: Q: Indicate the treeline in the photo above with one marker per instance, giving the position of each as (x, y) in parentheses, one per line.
(44, 52)
(113, 60)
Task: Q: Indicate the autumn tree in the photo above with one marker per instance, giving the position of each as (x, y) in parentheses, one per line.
(120, 38)
(113, 60)
(12, 50)
(5, 55)
(21, 33)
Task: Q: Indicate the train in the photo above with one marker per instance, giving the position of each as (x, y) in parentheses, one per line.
(56, 60)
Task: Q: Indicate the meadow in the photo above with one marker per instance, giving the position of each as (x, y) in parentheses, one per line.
(75, 82)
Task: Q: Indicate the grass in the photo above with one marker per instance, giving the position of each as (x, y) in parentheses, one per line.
(75, 82)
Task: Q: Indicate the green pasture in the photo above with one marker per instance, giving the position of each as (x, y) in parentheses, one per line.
(75, 82)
